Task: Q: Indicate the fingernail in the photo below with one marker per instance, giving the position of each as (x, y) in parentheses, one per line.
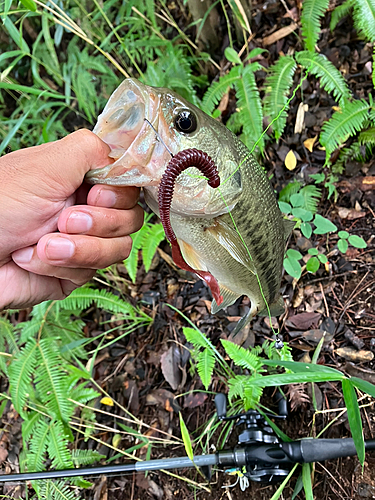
(23, 256)
(106, 198)
(78, 222)
(59, 248)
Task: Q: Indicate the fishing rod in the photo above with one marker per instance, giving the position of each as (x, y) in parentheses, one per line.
(260, 455)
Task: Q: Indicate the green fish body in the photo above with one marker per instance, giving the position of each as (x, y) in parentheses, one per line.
(235, 232)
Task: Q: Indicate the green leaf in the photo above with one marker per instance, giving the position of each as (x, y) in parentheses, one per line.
(277, 87)
(357, 241)
(150, 243)
(312, 265)
(318, 178)
(323, 225)
(306, 229)
(343, 234)
(250, 107)
(313, 251)
(186, 438)
(205, 366)
(302, 214)
(294, 378)
(255, 52)
(214, 93)
(343, 124)
(323, 258)
(243, 357)
(339, 13)
(364, 18)
(306, 479)
(232, 56)
(20, 373)
(297, 367)
(297, 200)
(293, 268)
(329, 76)
(363, 386)
(285, 207)
(343, 245)
(312, 13)
(294, 254)
(29, 4)
(354, 417)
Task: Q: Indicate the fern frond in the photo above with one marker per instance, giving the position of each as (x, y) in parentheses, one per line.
(330, 77)
(82, 298)
(367, 137)
(38, 446)
(277, 88)
(242, 357)
(339, 12)
(251, 395)
(214, 94)
(289, 190)
(311, 196)
(20, 373)
(364, 18)
(8, 333)
(131, 263)
(58, 450)
(343, 124)
(234, 123)
(85, 457)
(151, 240)
(83, 394)
(198, 339)
(312, 12)
(236, 386)
(29, 329)
(205, 366)
(50, 380)
(29, 424)
(56, 490)
(250, 106)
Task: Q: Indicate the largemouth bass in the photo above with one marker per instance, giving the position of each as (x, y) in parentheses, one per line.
(235, 232)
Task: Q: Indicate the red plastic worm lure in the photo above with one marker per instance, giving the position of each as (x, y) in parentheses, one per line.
(180, 162)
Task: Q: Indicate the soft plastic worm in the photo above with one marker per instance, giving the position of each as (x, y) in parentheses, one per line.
(180, 162)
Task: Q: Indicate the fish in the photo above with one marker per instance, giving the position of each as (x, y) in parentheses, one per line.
(234, 233)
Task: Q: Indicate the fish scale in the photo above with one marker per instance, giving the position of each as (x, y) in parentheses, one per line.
(140, 124)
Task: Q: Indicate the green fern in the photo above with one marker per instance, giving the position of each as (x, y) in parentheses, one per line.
(251, 395)
(277, 88)
(38, 446)
(289, 190)
(20, 372)
(50, 380)
(216, 91)
(364, 18)
(312, 13)
(330, 77)
(55, 490)
(195, 337)
(250, 106)
(8, 334)
(343, 124)
(311, 195)
(146, 240)
(241, 387)
(243, 357)
(339, 13)
(205, 366)
(85, 457)
(58, 450)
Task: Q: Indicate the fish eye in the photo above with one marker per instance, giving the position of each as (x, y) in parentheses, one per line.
(186, 121)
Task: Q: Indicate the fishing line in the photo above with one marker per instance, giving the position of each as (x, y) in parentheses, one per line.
(159, 137)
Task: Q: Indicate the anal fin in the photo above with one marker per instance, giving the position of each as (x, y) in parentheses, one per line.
(229, 298)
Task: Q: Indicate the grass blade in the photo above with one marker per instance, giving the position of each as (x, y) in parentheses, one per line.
(354, 417)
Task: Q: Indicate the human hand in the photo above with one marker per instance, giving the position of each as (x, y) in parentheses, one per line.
(41, 193)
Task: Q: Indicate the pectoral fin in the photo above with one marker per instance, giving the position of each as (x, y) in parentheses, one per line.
(288, 227)
(232, 242)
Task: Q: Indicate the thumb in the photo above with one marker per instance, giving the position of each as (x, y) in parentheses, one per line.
(66, 162)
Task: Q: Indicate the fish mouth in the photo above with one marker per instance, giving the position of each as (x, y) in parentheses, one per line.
(125, 126)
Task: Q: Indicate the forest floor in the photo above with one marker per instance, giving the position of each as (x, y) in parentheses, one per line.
(149, 372)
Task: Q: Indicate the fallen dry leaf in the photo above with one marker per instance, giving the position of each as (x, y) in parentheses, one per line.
(353, 355)
(300, 118)
(279, 34)
(309, 143)
(170, 362)
(350, 213)
(290, 160)
(303, 321)
(107, 401)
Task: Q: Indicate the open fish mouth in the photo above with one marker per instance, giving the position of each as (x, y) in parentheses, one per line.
(125, 126)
